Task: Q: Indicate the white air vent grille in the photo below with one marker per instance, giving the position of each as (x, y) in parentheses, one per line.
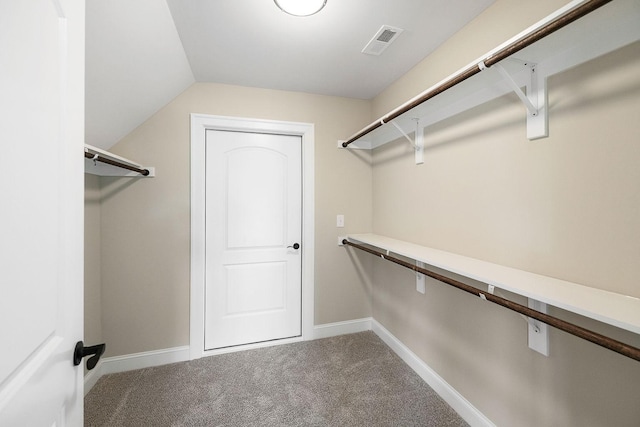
(386, 36)
(381, 40)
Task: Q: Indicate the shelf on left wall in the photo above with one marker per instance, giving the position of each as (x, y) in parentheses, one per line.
(102, 163)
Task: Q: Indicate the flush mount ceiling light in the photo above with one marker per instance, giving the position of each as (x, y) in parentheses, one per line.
(300, 7)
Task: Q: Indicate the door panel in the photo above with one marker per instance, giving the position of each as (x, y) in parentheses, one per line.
(256, 198)
(253, 212)
(41, 57)
(255, 288)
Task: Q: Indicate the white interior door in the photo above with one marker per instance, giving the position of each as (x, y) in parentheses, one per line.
(41, 219)
(253, 230)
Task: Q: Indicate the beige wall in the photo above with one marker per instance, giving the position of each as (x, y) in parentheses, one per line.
(92, 261)
(567, 206)
(145, 223)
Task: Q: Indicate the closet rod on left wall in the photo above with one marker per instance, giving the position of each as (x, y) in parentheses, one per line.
(98, 158)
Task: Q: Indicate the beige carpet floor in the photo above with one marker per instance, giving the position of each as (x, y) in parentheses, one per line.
(350, 380)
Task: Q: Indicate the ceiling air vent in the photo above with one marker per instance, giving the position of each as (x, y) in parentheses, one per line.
(383, 38)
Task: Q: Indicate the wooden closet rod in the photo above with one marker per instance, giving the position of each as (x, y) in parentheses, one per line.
(493, 59)
(594, 337)
(96, 157)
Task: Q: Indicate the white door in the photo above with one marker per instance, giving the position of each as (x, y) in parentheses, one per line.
(253, 229)
(41, 214)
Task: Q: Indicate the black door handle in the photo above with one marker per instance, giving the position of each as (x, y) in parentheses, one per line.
(295, 246)
(95, 351)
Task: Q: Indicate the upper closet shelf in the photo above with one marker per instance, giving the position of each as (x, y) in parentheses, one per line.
(580, 31)
(103, 163)
(608, 307)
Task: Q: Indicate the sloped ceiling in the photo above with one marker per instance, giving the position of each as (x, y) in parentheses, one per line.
(135, 64)
(141, 54)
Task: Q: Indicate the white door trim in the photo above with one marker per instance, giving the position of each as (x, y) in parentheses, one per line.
(199, 124)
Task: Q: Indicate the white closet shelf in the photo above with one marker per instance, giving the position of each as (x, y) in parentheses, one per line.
(608, 307)
(104, 163)
(605, 29)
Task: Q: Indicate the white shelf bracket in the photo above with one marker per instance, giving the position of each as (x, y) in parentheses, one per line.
(538, 334)
(404, 134)
(538, 331)
(420, 282)
(538, 125)
(533, 109)
(418, 144)
(535, 100)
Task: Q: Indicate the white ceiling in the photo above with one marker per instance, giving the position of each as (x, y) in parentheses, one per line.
(141, 54)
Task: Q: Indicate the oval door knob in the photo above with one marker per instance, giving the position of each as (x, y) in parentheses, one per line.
(95, 351)
(295, 246)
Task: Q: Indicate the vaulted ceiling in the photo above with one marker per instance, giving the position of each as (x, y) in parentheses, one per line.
(141, 54)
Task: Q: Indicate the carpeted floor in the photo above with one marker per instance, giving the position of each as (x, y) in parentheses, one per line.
(350, 380)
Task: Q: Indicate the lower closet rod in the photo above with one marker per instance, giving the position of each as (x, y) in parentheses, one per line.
(594, 337)
(96, 157)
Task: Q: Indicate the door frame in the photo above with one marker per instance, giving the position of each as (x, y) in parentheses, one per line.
(200, 123)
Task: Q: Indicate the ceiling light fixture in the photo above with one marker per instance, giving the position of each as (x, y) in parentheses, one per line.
(300, 7)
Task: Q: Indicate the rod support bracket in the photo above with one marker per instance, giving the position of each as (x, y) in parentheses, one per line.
(417, 143)
(538, 332)
(420, 278)
(535, 98)
(531, 107)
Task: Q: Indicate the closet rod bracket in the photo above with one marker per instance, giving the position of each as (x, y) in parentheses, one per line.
(534, 97)
(538, 332)
(417, 143)
(420, 278)
(529, 103)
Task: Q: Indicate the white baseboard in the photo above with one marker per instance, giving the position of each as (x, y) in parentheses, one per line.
(129, 362)
(145, 359)
(459, 404)
(92, 377)
(341, 328)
